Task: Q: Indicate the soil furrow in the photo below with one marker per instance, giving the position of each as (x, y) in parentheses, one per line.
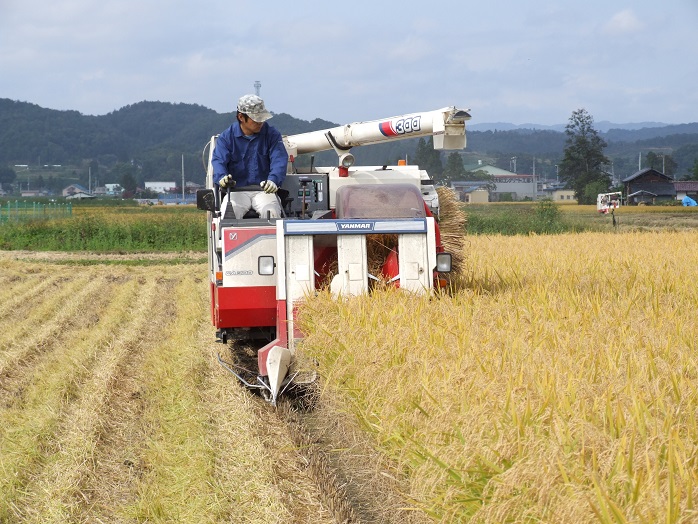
(57, 493)
(45, 390)
(331, 483)
(111, 371)
(264, 479)
(21, 359)
(110, 484)
(351, 481)
(19, 294)
(356, 482)
(34, 325)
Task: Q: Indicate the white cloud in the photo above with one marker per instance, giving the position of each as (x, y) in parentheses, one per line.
(625, 21)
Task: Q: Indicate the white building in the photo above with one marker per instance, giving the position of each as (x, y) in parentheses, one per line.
(74, 189)
(161, 187)
(79, 196)
(510, 186)
(686, 188)
(113, 189)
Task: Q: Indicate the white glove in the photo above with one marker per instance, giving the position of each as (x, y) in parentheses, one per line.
(269, 186)
(226, 181)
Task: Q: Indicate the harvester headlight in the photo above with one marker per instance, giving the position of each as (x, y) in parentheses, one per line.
(443, 262)
(346, 160)
(265, 265)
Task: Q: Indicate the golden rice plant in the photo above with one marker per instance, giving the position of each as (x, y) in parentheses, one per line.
(560, 385)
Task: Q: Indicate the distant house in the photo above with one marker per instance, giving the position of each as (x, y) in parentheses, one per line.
(161, 187)
(556, 191)
(649, 186)
(34, 193)
(80, 195)
(686, 188)
(191, 187)
(472, 192)
(113, 189)
(74, 189)
(509, 185)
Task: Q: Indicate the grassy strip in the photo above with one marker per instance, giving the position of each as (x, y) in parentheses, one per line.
(543, 217)
(108, 233)
(558, 386)
(547, 217)
(166, 229)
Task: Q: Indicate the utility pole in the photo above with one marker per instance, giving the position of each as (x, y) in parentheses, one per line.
(613, 174)
(257, 87)
(182, 178)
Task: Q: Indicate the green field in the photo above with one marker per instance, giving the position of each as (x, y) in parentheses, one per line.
(111, 228)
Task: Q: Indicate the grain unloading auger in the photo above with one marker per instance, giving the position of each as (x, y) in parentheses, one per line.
(261, 268)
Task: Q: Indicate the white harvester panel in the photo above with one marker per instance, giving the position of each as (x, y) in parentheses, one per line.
(352, 266)
(300, 273)
(413, 258)
(300, 277)
(242, 247)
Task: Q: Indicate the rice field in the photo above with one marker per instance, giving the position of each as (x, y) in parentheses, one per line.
(558, 385)
(556, 382)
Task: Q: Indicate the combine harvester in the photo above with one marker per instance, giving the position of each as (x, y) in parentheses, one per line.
(260, 268)
(606, 202)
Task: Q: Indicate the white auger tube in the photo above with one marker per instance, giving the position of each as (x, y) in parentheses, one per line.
(447, 125)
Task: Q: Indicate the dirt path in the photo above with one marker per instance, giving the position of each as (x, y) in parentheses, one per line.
(113, 408)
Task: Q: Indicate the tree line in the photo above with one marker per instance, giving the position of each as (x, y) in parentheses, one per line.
(148, 141)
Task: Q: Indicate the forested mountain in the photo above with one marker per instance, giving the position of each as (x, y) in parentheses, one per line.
(30, 134)
(151, 138)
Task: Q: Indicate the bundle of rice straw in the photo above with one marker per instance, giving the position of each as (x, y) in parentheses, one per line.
(452, 224)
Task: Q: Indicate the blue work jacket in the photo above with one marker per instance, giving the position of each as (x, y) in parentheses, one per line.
(250, 159)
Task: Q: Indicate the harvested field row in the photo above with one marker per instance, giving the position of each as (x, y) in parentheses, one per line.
(114, 409)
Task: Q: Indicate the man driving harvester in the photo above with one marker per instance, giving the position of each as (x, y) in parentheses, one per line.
(251, 153)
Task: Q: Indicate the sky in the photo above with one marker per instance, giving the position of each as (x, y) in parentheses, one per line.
(624, 61)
